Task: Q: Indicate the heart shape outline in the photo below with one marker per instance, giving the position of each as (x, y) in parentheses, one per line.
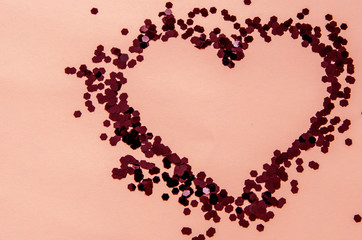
(182, 170)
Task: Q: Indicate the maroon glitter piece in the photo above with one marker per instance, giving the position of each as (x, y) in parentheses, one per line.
(187, 211)
(70, 70)
(324, 149)
(287, 164)
(131, 187)
(305, 11)
(232, 18)
(357, 218)
(210, 232)
(247, 2)
(260, 227)
(199, 237)
(313, 165)
(335, 120)
(216, 219)
(294, 190)
(132, 63)
(103, 136)
(294, 183)
(343, 103)
(191, 14)
(194, 203)
(300, 169)
(300, 16)
(124, 31)
(139, 58)
(329, 17)
(107, 59)
(236, 26)
(165, 196)
(253, 173)
(106, 123)
(186, 231)
(86, 96)
(94, 11)
(345, 126)
(244, 223)
(224, 12)
(348, 141)
(77, 114)
(281, 203)
(204, 12)
(344, 26)
(232, 217)
(350, 79)
(168, 5)
(299, 161)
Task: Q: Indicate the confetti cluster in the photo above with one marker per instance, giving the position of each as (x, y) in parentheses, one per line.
(197, 189)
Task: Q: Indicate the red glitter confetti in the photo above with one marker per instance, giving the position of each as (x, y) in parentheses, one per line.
(131, 187)
(210, 232)
(329, 17)
(348, 142)
(106, 123)
(103, 136)
(344, 26)
(94, 11)
(357, 218)
(260, 227)
(186, 231)
(253, 173)
(194, 203)
(300, 169)
(77, 114)
(305, 11)
(187, 211)
(70, 70)
(313, 165)
(300, 15)
(299, 161)
(232, 217)
(247, 2)
(165, 196)
(252, 203)
(124, 31)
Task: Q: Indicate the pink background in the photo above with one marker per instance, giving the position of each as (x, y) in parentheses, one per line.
(55, 173)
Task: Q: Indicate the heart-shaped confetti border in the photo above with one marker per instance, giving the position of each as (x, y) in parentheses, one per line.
(183, 181)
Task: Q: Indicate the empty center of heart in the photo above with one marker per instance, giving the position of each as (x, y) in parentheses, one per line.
(227, 121)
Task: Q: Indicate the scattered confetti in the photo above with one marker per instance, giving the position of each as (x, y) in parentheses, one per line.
(196, 189)
(348, 142)
(357, 218)
(94, 11)
(77, 114)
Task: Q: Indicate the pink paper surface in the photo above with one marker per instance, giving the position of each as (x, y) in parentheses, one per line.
(55, 173)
